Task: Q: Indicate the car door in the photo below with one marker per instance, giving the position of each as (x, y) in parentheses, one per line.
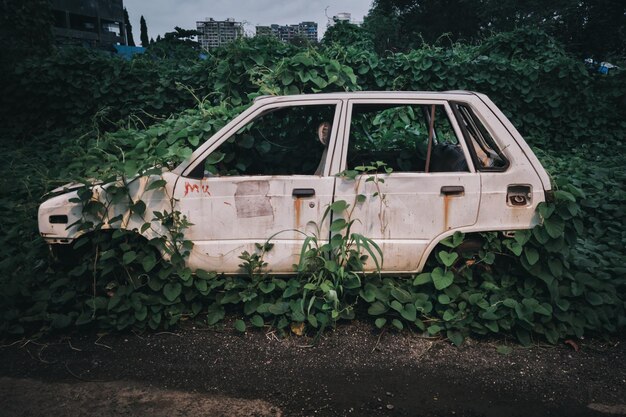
(513, 181)
(407, 209)
(267, 180)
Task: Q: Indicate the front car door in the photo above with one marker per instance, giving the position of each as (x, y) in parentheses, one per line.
(268, 177)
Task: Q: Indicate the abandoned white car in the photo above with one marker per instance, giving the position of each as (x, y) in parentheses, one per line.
(457, 163)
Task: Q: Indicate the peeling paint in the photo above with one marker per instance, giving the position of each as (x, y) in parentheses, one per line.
(251, 199)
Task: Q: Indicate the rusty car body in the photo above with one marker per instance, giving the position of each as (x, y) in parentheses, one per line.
(458, 165)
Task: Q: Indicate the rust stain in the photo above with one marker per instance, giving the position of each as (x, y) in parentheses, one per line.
(297, 205)
(446, 208)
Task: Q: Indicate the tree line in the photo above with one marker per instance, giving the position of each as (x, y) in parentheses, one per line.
(586, 28)
(589, 28)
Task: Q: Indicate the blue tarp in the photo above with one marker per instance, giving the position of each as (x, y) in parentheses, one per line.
(127, 52)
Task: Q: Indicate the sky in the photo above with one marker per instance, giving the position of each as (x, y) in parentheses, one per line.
(163, 15)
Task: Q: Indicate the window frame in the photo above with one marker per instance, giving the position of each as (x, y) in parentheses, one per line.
(466, 136)
(249, 116)
(409, 102)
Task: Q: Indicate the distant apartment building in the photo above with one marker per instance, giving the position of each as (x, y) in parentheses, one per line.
(215, 33)
(95, 23)
(286, 33)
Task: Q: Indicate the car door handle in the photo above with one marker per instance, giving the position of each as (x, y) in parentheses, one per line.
(303, 192)
(452, 190)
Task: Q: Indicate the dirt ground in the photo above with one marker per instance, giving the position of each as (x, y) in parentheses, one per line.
(352, 371)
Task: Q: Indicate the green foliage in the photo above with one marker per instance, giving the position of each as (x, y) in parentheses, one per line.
(346, 34)
(177, 45)
(25, 30)
(78, 87)
(587, 27)
(561, 279)
(548, 95)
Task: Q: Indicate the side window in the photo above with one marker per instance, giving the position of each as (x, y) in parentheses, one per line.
(400, 135)
(283, 141)
(486, 154)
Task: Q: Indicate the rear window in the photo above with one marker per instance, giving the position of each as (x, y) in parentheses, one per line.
(485, 153)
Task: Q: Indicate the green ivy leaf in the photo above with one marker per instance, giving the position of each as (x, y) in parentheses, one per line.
(240, 325)
(443, 299)
(141, 314)
(514, 247)
(554, 226)
(215, 314)
(448, 258)
(564, 195)
(257, 321)
(504, 350)
(397, 324)
(84, 318)
(267, 287)
(532, 256)
(522, 236)
(338, 225)
(422, 279)
(339, 206)
(455, 337)
(128, 257)
(172, 290)
(434, 329)
(401, 295)
(156, 184)
(556, 267)
(594, 298)
(396, 306)
(489, 258)
(148, 262)
(409, 312)
(279, 308)
(442, 279)
(377, 308)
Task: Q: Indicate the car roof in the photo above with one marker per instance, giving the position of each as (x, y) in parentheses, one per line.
(446, 95)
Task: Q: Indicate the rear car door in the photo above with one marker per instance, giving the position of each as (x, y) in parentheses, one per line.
(406, 210)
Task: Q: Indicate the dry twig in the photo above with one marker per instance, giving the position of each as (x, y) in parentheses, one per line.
(378, 341)
(102, 344)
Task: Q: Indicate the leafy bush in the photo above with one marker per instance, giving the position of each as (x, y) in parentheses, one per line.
(561, 279)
